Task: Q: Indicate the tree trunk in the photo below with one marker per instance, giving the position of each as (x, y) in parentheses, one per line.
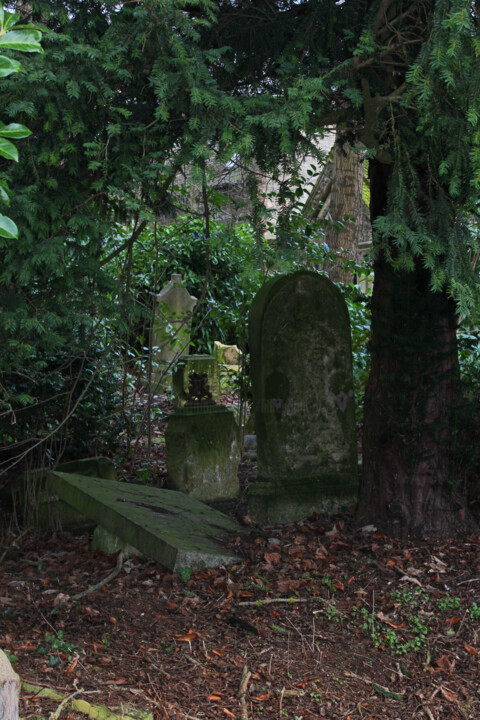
(412, 391)
(345, 200)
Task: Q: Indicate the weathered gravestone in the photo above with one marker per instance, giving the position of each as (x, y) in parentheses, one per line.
(9, 689)
(170, 335)
(301, 372)
(203, 453)
(229, 359)
(202, 445)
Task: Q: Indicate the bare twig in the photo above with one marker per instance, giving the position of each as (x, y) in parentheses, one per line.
(289, 601)
(242, 691)
(428, 712)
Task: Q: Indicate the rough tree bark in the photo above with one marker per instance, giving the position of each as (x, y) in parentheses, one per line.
(345, 200)
(413, 388)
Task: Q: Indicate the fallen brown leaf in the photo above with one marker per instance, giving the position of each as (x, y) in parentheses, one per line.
(448, 694)
(188, 637)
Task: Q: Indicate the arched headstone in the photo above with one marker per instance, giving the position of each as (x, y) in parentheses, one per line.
(302, 386)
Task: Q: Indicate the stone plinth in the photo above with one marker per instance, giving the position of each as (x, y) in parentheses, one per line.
(302, 387)
(203, 453)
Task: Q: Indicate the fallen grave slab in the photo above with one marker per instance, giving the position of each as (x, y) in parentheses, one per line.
(166, 525)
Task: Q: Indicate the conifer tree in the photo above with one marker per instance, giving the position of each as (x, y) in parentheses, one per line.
(401, 79)
(126, 92)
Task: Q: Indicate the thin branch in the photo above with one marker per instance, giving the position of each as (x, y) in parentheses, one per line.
(242, 691)
(128, 243)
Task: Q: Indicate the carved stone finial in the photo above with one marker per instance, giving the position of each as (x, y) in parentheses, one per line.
(198, 390)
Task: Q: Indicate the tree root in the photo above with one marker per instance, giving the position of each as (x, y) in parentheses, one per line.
(105, 581)
(96, 712)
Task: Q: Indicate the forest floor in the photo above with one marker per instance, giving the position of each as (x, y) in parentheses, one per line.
(317, 620)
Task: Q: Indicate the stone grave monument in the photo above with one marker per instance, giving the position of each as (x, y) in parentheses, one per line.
(229, 359)
(203, 445)
(198, 365)
(302, 387)
(9, 689)
(170, 336)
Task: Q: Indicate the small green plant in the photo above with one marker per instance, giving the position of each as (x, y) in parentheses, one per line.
(57, 644)
(475, 611)
(389, 637)
(448, 603)
(106, 641)
(411, 598)
(327, 580)
(13, 658)
(281, 629)
(184, 573)
(333, 614)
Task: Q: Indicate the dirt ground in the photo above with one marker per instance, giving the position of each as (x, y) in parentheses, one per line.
(315, 621)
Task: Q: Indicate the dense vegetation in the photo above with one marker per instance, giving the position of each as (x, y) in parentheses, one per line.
(127, 97)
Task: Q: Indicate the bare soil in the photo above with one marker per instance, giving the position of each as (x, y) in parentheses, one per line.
(330, 623)
(318, 620)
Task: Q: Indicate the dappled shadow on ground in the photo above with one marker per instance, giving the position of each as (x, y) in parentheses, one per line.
(316, 621)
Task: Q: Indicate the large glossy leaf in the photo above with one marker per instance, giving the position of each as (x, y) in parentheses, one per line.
(24, 40)
(3, 193)
(8, 229)
(14, 130)
(8, 66)
(8, 150)
(10, 20)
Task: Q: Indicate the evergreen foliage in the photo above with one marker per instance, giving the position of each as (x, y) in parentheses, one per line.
(399, 78)
(13, 37)
(126, 94)
(119, 101)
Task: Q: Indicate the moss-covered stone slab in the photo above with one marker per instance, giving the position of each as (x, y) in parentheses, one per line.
(167, 526)
(203, 453)
(302, 387)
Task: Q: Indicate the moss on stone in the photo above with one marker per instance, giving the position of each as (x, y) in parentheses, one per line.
(203, 453)
(302, 387)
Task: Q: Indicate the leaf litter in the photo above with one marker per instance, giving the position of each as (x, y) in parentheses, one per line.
(318, 620)
(323, 621)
